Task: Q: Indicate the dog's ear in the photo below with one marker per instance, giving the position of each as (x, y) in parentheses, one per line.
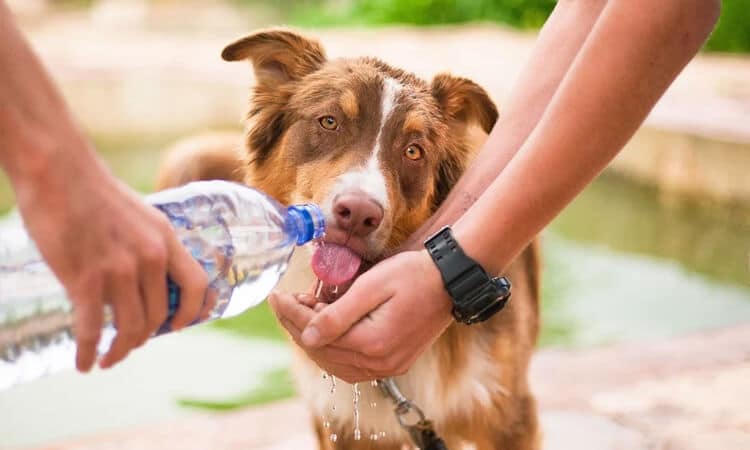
(465, 101)
(277, 55)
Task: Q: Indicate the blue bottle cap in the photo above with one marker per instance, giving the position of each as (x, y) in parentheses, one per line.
(307, 222)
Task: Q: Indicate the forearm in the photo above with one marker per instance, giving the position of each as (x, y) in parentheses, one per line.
(557, 45)
(34, 120)
(633, 53)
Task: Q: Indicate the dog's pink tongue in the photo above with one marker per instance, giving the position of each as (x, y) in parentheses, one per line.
(335, 264)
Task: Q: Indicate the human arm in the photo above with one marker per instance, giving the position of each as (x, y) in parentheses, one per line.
(606, 95)
(101, 241)
(558, 43)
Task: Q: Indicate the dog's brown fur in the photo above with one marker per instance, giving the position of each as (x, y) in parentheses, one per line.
(295, 81)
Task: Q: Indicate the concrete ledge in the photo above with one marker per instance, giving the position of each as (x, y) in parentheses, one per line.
(686, 164)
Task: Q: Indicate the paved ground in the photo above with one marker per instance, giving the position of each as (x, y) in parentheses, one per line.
(689, 393)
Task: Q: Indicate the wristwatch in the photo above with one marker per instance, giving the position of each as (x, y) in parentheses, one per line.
(476, 295)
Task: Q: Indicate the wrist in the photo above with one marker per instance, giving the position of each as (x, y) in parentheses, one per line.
(431, 273)
(489, 257)
(475, 294)
(32, 147)
(25, 150)
(43, 163)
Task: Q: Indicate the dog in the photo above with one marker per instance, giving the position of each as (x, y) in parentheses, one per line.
(378, 149)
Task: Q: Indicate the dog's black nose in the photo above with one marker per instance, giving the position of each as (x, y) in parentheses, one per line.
(357, 213)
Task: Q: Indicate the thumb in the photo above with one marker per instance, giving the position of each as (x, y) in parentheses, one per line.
(364, 295)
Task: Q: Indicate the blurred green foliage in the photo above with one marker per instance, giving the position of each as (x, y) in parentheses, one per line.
(731, 35)
(258, 322)
(519, 13)
(276, 385)
(733, 31)
(72, 3)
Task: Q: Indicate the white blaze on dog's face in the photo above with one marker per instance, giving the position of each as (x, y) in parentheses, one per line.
(376, 147)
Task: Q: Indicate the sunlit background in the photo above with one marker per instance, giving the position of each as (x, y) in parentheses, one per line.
(658, 246)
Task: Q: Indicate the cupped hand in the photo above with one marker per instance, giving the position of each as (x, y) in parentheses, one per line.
(379, 327)
(106, 246)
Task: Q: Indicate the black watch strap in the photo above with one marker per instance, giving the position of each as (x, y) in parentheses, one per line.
(476, 295)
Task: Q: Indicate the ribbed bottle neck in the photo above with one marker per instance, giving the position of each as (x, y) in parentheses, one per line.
(307, 222)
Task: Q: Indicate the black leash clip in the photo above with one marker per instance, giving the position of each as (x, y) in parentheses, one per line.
(421, 430)
(424, 436)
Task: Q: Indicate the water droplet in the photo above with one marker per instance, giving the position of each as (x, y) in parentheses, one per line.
(355, 391)
(333, 437)
(327, 423)
(373, 436)
(373, 404)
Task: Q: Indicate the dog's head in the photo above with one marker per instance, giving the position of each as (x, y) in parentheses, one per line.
(375, 146)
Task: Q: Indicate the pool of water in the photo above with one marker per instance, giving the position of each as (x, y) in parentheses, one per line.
(627, 218)
(595, 296)
(622, 263)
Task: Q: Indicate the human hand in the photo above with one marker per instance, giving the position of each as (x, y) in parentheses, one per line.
(106, 246)
(379, 327)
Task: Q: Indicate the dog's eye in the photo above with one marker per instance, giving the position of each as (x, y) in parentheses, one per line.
(413, 152)
(328, 122)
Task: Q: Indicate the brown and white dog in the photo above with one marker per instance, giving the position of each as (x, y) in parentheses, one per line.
(378, 149)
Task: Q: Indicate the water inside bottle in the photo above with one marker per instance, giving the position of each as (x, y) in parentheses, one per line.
(36, 326)
(244, 259)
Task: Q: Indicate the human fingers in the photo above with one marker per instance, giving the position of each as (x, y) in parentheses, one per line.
(153, 275)
(366, 294)
(334, 361)
(192, 280)
(129, 314)
(88, 321)
(288, 308)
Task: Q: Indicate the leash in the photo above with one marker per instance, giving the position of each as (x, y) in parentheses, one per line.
(420, 429)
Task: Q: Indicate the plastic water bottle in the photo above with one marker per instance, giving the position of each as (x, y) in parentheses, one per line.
(242, 238)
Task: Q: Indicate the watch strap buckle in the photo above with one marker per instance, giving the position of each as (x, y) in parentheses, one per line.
(476, 295)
